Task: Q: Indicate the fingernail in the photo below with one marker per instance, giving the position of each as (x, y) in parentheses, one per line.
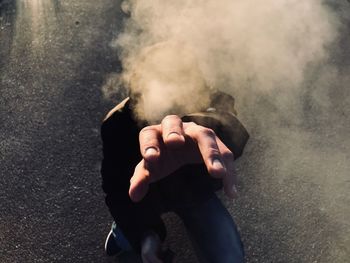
(217, 164)
(151, 151)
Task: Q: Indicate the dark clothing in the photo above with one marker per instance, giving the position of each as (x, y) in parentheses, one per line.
(187, 186)
(213, 232)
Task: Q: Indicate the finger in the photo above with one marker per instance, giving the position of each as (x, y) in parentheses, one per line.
(150, 141)
(139, 182)
(172, 131)
(229, 179)
(206, 141)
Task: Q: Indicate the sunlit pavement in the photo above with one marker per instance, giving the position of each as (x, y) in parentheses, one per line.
(54, 58)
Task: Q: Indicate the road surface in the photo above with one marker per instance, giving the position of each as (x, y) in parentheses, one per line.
(54, 58)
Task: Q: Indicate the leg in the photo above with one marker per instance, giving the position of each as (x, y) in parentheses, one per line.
(116, 243)
(213, 232)
(120, 239)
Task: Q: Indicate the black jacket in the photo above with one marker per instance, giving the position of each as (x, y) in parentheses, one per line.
(187, 186)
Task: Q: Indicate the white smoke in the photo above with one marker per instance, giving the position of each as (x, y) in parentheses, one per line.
(237, 44)
(278, 59)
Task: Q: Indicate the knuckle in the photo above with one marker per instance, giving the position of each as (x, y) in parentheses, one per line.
(207, 131)
(171, 116)
(170, 119)
(147, 129)
(190, 126)
(214, 153)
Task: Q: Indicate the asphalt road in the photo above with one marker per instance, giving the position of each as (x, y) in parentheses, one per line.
(54, 58)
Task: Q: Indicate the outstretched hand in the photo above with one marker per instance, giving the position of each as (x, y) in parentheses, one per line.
(172, 144)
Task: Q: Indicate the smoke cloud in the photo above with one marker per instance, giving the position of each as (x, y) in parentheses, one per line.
(284, 63)
(238, 45)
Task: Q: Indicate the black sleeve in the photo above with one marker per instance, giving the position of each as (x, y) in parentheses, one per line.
(120, 156)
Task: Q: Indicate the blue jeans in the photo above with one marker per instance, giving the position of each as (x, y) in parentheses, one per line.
(120, 239)
(211, 229)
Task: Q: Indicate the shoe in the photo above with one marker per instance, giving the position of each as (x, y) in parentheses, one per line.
(111, 247)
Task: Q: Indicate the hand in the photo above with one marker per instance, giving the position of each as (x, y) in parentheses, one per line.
(151, 248)
(168, 146)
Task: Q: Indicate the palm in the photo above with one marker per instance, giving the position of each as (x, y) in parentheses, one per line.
(193, 144)
(171, 159)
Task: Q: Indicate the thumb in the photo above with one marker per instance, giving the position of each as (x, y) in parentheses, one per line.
(139, 182)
